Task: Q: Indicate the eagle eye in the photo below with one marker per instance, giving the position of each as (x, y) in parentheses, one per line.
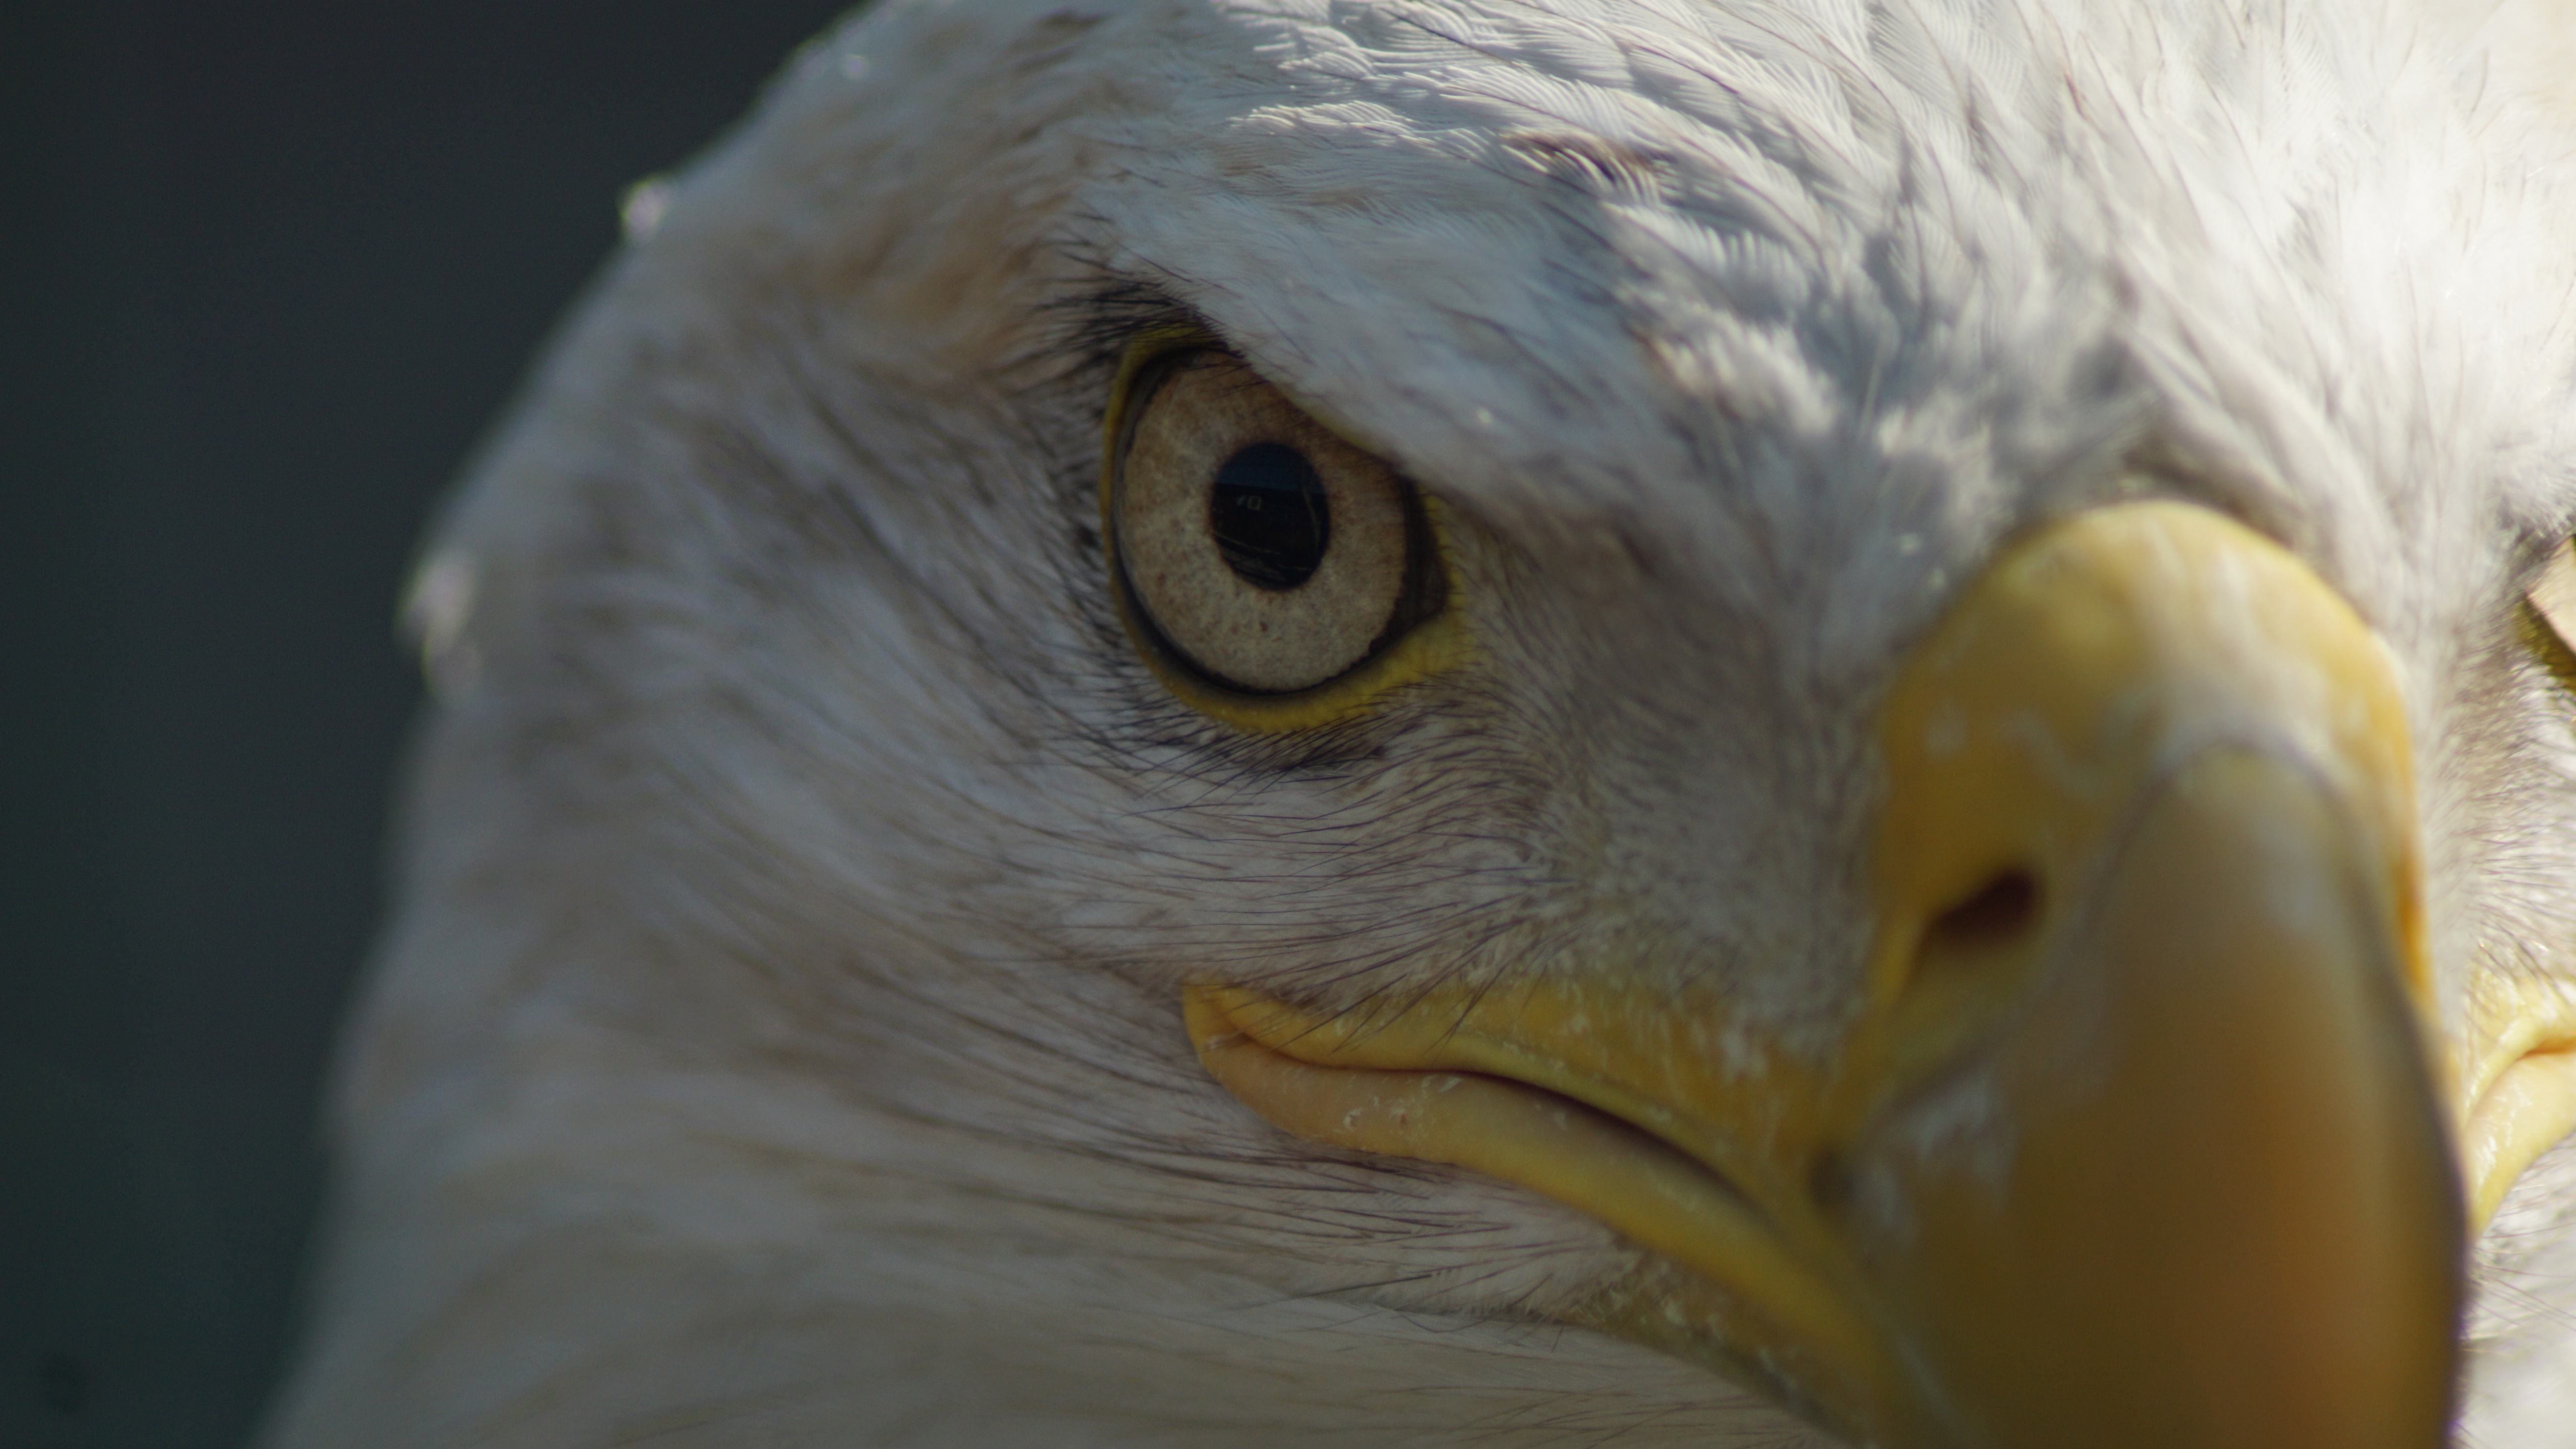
(2549, 615)
(1260, 558)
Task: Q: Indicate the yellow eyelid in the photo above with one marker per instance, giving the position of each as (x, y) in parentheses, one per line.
(1432, 646)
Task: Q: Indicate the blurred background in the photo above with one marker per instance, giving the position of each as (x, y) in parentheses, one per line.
(270, 269)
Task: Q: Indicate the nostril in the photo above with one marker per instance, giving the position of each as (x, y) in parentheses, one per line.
(1829, 1182)
(1997, 913)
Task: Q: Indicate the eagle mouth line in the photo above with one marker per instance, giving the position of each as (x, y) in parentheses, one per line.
(1717, 1255)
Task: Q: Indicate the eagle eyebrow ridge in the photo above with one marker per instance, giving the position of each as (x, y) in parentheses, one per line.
(1098, 316)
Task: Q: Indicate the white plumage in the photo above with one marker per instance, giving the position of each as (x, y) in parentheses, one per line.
(777, 1039)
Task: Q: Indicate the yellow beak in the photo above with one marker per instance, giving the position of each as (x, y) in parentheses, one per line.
(2135, 1133)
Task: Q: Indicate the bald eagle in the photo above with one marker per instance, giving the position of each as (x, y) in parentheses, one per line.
(1513, 723)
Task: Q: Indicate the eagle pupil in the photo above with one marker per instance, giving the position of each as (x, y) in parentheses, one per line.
(1270, 517)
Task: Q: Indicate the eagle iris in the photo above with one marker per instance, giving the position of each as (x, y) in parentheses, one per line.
(1270, 516)
(1257, 553)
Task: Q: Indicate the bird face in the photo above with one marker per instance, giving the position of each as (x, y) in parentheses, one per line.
(1863, 698)
(2143, 1039)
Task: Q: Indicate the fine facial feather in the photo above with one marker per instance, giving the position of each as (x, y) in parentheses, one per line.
(777, 1040)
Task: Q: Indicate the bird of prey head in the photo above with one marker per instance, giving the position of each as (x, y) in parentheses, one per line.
(1513, 722)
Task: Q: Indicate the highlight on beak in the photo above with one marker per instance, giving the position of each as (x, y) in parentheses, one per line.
(2137, 1135)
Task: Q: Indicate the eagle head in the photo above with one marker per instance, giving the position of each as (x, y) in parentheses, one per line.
(1512, 722)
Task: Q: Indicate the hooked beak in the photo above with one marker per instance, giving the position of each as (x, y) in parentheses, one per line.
(2137, 1136)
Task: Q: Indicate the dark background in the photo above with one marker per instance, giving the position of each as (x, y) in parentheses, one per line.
(269, 270)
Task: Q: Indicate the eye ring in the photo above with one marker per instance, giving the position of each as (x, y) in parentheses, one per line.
(1353, 529)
